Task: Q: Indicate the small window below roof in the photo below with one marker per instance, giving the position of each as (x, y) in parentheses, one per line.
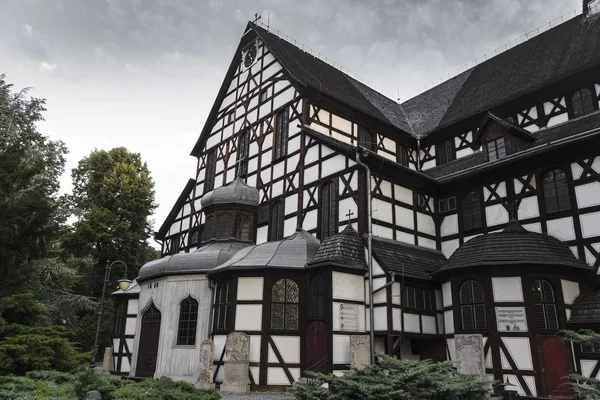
(496, 149)
(445, 152)
(582, 103)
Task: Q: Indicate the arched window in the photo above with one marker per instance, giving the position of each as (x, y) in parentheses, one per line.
(242, 228)
(188, 320)
(317, 297)
(194, 237)
(276, 222)
(222, 306)
(556, 191)
(329, 209)
(224, 226)
(285, 296)
(472, 211)
(281, 134)
(208, 232)
(544, 305)
(472, 306)
(582, 103)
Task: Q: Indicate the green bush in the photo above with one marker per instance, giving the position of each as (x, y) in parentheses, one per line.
(393, 379)
(47, 385)
(25, 388)
(163, 389)
(28, 342)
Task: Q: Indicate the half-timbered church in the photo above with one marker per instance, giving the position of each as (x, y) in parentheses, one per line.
(479, 198)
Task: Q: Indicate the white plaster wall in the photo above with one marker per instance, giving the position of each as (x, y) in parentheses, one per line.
(341, 349)
(411, 323)
(381, 320)
(449, 225)
(570, 290)
(449, 322)
(428, 323)
(250, 288)
(520, 352)
(590, 224)
(449, 247)
(496, 215)
(561, 228)
(446, 294)
(347, 286)
(132, 306)
(588, 195)
(289, 348)
(507, 289)
(396, 319)
(248, 317)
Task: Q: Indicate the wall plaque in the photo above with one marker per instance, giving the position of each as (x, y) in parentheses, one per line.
(511, 319)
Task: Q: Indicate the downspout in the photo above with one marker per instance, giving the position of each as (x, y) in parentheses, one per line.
(370, 258)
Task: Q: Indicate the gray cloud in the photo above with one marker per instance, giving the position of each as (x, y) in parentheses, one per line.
(144, 73)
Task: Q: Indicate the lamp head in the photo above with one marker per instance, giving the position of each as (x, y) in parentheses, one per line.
(124, 284)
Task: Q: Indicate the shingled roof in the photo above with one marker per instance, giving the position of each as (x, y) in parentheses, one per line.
(513, 246)
(546, 136)
(562, 51)
(586, 309)
(345, 249)
(410, 260)
(316, 74)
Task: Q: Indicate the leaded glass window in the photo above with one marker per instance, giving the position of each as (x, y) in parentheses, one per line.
(472, 211)
(210, 171)
(224, 226)
(544, 305)
(242, 228)
(329, 209)
(281, 134)
(496, 149)
(444, 152)
(582, 103)
(409, 297)
(317, 297)
(472, 306)
(209, 228)
(556, 191)
(243, 152)
(285, 297)
(276, 222)
(222, 306)
(188, 321)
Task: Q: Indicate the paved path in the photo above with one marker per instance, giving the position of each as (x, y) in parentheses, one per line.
(258, 396)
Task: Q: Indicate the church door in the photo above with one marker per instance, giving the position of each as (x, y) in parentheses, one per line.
(148, 351)
(317, 359)
(556, 368)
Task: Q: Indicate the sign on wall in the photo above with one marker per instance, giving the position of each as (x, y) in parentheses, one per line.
(511, 319)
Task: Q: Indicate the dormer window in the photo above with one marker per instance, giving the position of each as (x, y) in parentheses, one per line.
(496, 149)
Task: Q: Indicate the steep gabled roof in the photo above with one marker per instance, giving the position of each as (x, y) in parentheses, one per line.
(164, 228)
(560, 52)
(310, 71)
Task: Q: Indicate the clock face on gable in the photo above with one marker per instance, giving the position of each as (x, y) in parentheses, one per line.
(249, 55)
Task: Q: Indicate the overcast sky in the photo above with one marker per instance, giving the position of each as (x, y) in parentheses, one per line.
(144, 73)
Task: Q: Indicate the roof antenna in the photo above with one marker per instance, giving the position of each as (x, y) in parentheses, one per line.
(256, 17)
(398, 98)
(268, 20)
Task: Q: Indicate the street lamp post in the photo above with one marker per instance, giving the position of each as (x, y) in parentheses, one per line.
(123, 285)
